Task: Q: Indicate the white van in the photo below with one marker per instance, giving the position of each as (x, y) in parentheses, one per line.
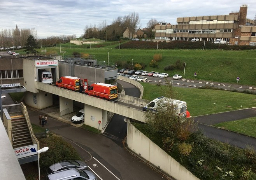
(180, 107)
(79, 117)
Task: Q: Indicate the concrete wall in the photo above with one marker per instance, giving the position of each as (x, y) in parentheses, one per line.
(144, 147)
(29, 74)
(38, 100)
(9, 166)
(93, 115)
(66, 106)
(84, 72)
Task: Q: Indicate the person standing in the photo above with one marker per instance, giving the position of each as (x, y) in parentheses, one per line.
(40, 119)
(43, 121)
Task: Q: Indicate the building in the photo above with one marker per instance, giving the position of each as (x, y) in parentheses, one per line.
(234, 28)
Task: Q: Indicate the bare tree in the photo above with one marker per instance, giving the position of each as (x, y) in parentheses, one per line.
(150, 28)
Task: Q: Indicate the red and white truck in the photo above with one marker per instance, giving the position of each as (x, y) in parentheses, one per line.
(69, 82)
(102, 90)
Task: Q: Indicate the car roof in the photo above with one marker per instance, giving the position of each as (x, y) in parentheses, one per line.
(67, 174)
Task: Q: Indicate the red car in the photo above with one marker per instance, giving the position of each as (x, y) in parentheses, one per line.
(150, 73)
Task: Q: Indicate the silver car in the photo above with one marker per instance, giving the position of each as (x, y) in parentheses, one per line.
(73, 174)
(67, 165)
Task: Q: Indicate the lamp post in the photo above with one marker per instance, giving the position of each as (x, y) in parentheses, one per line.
(38, 153)
(132, 62)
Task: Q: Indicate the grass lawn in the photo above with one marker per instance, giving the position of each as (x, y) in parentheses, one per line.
(211, 65)
(244, 126)
(203, 101)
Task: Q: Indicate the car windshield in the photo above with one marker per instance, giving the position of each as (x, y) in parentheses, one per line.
(79, 114)
(84, 174)
(113, 91)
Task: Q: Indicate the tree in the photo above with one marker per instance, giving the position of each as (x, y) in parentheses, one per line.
(150, 28)
(31, 45)
(168, 125)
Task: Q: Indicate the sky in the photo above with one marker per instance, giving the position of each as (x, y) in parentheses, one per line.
(70, 17)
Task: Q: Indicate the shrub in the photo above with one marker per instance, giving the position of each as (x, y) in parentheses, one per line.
(137, 66)
(76, 54)
(179, 65)
(153, 63)
(185, 149)
(157, 57)
(59, 150)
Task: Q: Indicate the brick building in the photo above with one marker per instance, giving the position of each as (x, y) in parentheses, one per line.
(234, 28)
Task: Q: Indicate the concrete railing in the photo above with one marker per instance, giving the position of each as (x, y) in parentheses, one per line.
(33, 137)
(132, 100)
(117, 108)
(7, 121)
(149, 151)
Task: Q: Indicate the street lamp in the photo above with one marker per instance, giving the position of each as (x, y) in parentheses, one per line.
(38, 153)
(132, 62)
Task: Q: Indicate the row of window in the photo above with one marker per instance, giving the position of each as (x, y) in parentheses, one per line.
(11, 74)
(197, 31)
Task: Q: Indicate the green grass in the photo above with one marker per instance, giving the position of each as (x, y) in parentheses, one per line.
(203, 101)
(91, 129)
(37, 129)
(212, 65)
(244, 126)
(17, 96)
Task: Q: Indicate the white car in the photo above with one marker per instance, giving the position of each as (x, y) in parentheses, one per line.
(144, 73)
(134, 77)
(79, 117)
(142, 79)
(156, 74)
(138, 72)
(163, 75)
(176, 76)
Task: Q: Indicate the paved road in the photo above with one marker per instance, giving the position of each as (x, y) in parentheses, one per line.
(239, 140)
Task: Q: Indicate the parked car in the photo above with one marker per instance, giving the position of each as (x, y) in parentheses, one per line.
(156, 74)
(79, 117)
(176, 76)
(142, 79)
(69, 164)
(73, 174)
(131, 72)
(138, 72)
(163, 75)
(144, 73)
(121, 70)
(134, 77)
(151, 73)
(15, 54)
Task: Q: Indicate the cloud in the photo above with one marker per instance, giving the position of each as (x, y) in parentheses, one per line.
(68, 17)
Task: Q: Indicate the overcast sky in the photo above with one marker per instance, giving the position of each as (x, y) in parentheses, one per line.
(69, 17)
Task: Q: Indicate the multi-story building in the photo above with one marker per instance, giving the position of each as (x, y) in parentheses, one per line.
(234, 28)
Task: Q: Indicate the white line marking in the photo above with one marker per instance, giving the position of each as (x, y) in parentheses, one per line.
(105, 167)
(95, 173)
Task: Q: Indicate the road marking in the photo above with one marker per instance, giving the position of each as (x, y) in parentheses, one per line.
(105, 168)
(95, 173)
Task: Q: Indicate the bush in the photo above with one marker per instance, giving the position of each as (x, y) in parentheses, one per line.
(59, 150)
(157, 57)
(153, 63)
(76, 54)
